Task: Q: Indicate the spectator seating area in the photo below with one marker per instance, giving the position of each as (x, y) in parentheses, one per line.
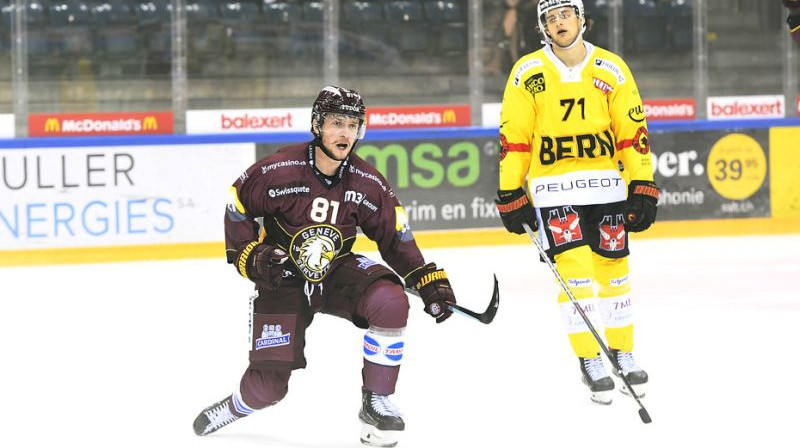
(398, 51)
(649, 25)
(132, 37)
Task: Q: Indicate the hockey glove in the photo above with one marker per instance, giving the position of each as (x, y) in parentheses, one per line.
(266, 266)
(794, 24)
(435, 290)
(515, 210)
(641, 206)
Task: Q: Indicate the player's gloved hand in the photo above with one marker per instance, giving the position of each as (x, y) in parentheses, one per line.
(641, 206)
(267, 265)
(794, 24)
(435, 290)
(515, 210)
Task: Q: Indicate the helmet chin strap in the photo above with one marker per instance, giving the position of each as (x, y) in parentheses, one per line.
(574, 42)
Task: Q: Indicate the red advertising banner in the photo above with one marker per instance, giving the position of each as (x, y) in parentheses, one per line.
(418, 116)
(670, 109)
(103, 123)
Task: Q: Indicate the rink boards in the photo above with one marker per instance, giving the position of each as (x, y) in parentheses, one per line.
(74, 200)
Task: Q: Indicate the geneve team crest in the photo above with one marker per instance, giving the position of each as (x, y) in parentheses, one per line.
(313, 250)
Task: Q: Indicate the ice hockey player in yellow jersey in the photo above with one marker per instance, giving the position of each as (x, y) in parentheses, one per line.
(574, 134)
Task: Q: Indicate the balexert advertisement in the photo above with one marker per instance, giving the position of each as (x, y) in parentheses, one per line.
(109, 196)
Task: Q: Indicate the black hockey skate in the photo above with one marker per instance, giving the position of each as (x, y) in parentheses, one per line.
(635, 375)
(381, 419)
(214, 417)
(596, 377)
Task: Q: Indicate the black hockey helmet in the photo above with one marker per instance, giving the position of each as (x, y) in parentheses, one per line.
(340, 101)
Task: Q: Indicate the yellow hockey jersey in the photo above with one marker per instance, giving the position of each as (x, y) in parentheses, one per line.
(568, 129)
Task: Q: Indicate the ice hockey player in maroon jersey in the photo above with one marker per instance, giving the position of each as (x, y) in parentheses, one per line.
(290, 227)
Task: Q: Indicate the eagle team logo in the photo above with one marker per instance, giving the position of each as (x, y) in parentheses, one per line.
(314, 248)
(612, 233)
(564, 224)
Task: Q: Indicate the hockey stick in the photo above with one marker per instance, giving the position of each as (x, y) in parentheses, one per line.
(485, 317)
(643, 414)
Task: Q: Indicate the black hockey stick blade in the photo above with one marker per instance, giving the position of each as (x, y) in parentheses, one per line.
(487, 316)
(644, 415)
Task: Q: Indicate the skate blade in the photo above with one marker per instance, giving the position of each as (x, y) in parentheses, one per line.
(640, 389)
(603, 397)
(372, 436)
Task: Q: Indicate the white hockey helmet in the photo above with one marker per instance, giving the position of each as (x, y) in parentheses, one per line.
(546, 6)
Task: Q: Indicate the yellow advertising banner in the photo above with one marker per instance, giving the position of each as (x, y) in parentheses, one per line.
(784, 167)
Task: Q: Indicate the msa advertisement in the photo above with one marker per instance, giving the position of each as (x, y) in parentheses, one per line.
(110, 196)
(107, 123)
(442, 184)
(238, 121)
(712, 174)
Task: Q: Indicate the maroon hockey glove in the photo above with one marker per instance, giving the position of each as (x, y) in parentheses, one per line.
(794, 18)
(515, 210)
(266, 265)
(794, 24)
(435, 290)
(641, 206)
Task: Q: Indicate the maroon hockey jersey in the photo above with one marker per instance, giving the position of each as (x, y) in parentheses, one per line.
(283, 201)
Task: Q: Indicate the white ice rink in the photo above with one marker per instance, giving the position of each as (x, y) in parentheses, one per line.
(127, 354)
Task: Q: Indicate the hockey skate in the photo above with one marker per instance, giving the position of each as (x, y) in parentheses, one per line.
(381, 419)
(636, 376)
(597, 379)
(214, 417)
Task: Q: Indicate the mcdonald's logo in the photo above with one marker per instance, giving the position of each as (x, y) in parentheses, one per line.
(449, 116)
(52, 125)
(149, 123)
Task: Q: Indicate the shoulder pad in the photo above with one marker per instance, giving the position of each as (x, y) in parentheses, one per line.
(524, 67)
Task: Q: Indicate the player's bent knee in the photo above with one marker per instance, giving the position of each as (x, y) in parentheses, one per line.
(261, 388)
(385, 304)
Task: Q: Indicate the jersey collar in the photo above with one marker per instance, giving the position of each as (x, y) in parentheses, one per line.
(328, 181)
(569, 74)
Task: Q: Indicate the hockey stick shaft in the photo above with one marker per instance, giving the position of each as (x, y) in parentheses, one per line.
(486, 317)
(643, 414)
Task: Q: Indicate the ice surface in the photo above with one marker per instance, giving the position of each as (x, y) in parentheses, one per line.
(127, 354)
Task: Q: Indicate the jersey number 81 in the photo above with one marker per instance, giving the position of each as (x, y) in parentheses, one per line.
(319, 210)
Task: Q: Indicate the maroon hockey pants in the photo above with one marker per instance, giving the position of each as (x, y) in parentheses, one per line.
(383, 304)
